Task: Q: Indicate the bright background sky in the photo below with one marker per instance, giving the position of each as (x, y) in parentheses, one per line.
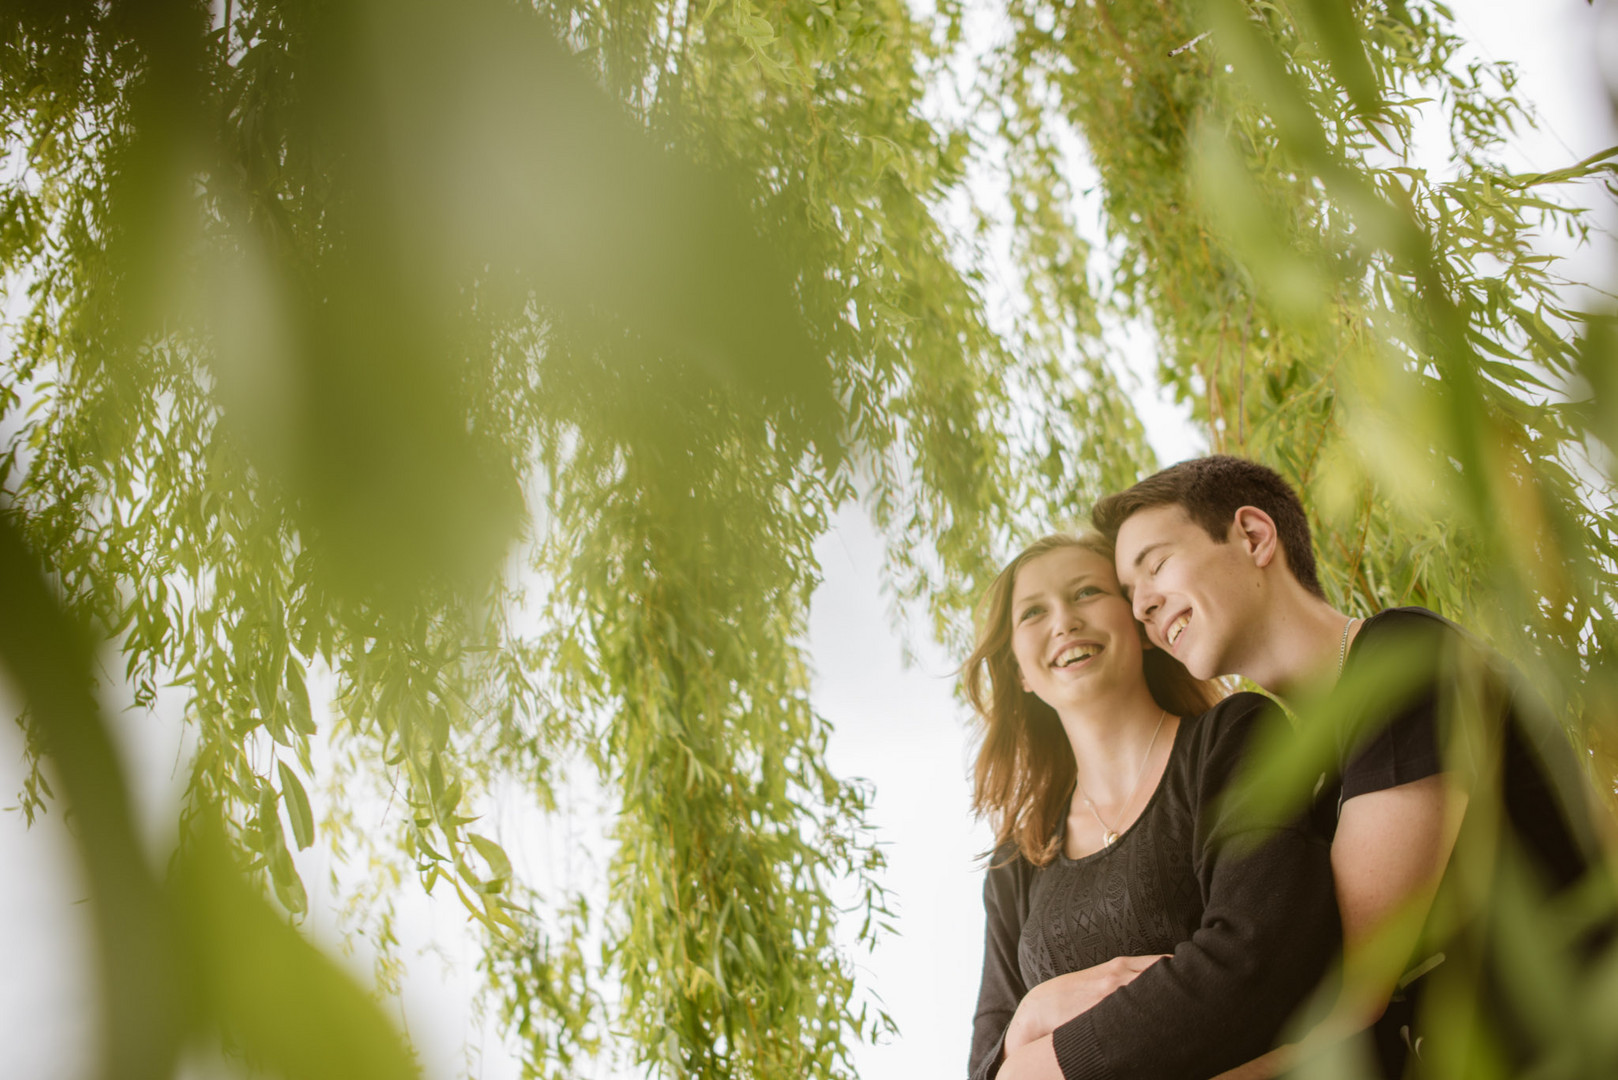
(898, 726)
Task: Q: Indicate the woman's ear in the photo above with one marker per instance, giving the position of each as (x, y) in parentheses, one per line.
(1255, 531)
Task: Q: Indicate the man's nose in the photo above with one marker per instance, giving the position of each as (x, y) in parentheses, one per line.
(1145, 604)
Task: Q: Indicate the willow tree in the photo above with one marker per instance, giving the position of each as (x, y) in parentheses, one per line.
(506, 361)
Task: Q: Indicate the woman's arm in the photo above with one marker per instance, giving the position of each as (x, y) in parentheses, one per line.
(1004, 903)
(1056, 1001)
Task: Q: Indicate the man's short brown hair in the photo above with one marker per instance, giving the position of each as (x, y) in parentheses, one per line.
(1210, 490)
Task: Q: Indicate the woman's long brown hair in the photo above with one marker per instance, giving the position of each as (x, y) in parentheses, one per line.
(1025, 768)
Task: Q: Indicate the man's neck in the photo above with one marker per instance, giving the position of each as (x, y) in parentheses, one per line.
(1298, 647)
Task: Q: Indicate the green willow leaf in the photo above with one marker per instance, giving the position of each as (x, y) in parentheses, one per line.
(296, 801)
(298, 699)
(493, 854)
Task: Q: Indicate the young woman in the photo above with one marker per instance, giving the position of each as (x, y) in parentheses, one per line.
(1138, 923)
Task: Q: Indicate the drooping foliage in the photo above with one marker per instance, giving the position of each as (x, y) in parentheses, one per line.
(506, 362)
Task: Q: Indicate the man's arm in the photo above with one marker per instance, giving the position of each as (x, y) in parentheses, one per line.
(1056, 1001)
(1269, 930)
(1387, 858)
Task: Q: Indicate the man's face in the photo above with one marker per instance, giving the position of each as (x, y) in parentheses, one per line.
(1194, 595)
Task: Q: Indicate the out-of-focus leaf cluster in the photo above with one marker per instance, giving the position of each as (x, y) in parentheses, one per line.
(200, 955)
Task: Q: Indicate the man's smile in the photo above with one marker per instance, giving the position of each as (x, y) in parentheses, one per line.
(1172, 632)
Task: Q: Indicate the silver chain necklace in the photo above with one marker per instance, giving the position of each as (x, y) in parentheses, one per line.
(1109, 835)
(1342, 650)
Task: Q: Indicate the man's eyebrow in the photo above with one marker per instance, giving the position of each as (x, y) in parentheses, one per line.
(1145, 551)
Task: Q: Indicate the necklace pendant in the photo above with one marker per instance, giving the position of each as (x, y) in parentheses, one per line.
(1109, 838)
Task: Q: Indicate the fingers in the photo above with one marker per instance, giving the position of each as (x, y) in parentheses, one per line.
(1136, 964)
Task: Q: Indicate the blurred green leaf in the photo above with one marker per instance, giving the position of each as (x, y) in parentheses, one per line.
(1335, 29)
(286, 1006)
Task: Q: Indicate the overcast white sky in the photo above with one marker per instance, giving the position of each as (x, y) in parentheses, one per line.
(898, 727)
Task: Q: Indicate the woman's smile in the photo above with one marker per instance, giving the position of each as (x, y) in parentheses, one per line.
(1072, 627)
(1076, 654)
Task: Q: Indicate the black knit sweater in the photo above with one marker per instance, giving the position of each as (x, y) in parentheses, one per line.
(1246, 909)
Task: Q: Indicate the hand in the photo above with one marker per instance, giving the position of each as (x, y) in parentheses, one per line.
(1056, 1001)
(1036, 1061)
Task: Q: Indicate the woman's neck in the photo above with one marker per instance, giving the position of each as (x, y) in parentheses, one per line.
(1110, 741)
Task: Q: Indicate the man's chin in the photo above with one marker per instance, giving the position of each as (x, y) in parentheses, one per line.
(1199, 667)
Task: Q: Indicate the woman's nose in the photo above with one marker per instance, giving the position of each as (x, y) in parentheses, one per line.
(1067, 617)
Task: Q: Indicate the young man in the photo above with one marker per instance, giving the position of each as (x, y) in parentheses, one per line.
(1216, 557)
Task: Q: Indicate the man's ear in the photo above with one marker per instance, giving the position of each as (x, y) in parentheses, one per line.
(1255, 531)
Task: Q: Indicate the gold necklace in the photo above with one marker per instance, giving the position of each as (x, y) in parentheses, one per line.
(1109, 835)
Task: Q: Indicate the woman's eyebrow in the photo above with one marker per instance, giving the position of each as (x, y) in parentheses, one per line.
(1072, 581)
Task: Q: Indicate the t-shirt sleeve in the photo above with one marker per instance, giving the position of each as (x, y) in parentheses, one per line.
(1269, 931)
(1004, 907)
(1396, 740)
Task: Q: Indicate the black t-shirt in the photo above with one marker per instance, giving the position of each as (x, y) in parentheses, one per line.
(1416, 734)
(1247, 910)
(1428, 698)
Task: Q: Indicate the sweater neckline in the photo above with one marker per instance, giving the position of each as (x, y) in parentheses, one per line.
(1151, 804)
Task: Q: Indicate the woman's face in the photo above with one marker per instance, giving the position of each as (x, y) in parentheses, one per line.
(1072, 631)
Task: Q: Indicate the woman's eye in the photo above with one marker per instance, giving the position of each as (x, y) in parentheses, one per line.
(1029, 613)
(1086, 592)
(1160, 563)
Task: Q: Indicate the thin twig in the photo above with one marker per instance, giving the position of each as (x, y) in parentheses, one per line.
(1178, 49)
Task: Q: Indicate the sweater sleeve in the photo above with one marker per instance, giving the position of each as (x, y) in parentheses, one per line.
(1269, 931)
(1004, 908)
